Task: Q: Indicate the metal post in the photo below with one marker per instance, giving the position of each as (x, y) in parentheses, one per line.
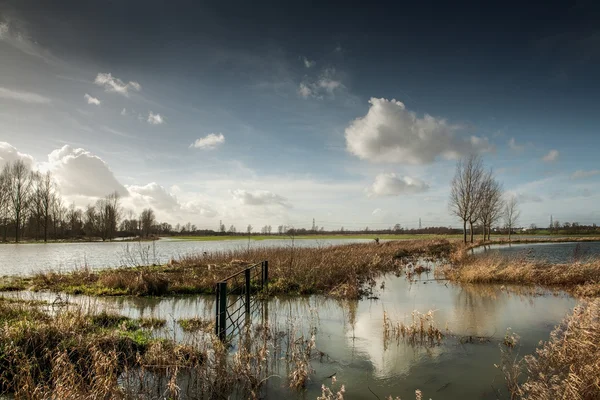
(265, 274)
(247, 299)
(222, 310)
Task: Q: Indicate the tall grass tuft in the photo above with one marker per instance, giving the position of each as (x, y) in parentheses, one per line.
(565, 367)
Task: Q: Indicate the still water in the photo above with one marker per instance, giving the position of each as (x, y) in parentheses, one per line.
(351, 335)
(25, 259)
(551, 252)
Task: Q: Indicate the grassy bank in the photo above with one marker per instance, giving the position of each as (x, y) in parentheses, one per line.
(343, 271)
(579, 277)
(565, 367)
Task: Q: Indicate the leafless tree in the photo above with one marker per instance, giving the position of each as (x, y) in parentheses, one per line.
(19, 189)
(511, 214)
(107, 216)
(147, 220)
(465, 194)
(58, 214)
(491, 205)
(44, 196)
(4, 199)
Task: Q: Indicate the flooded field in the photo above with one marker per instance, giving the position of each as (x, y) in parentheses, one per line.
(352, 344)
(24, 259)
(552, 252)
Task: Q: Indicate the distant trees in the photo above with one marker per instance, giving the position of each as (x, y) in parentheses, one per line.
(466, 191)
(491, 204)
(147, 220)
(19, 187)
(511, 214)
(475, 196)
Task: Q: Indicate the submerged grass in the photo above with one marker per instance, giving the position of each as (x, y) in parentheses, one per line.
(342, 271)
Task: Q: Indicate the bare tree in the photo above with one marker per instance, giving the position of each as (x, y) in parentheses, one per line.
(4, 199)
(511, 214)
(465, 194)
(19, 188)
(491, 205)
(44, 197)
(147, 220)
(58, 214)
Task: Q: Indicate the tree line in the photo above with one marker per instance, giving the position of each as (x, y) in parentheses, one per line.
(478, 199)
(31, 207)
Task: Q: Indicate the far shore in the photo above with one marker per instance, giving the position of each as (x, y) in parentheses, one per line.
(498, 239)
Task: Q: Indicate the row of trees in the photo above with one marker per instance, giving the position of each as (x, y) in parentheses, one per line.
(476, 197)
(31, 206)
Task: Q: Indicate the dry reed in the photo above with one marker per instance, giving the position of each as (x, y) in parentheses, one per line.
(344, 271)
(579, 277)
(565, 367)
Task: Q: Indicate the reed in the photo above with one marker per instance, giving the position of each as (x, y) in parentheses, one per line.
(565, 367)
(580, 277)
(422, 330)
(345, 271)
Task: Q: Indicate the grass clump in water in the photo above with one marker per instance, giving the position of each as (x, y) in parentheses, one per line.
(196, 324)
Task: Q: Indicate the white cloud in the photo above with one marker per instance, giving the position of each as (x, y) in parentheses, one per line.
(9, 154)
(209, 142)
(124, 112)
(308, 63)
(259, 198)
(304, 91)
(551, 156)
(112, 84)
(153, 195)
(392, 185)
(155, 119)
(512, 143)
(581, 174)
(81, 173)
(327, 83)
(391, 133)
(25, 97)
(91, 100)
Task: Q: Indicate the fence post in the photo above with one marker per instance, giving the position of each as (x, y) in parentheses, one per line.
(265, 274)
(247, 300)
(222, 310)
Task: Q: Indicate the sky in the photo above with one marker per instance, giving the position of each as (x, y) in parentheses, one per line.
(274, 113)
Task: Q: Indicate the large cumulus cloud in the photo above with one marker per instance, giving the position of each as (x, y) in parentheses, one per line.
(391, 133)
(81, 173)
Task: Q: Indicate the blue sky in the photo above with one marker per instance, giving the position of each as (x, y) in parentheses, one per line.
(352, 116)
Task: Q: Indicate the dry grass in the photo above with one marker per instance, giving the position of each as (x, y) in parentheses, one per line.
(72, 354)
(565, 367)
(579, 277)
(422, 330)
(343, 271)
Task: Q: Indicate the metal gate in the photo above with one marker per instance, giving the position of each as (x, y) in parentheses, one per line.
(237, 300)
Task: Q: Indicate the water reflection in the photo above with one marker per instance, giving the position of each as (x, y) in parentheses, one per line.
(350, 337)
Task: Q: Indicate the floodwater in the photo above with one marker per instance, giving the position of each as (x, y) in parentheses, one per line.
(351, 335)
(552, 252)
(25, 259)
